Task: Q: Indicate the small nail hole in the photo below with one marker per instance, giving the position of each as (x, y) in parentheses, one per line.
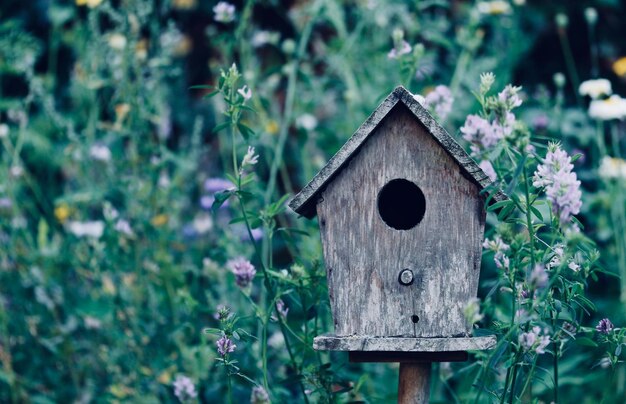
(415, 318)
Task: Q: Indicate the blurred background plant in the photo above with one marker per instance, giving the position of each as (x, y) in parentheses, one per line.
(146, 250)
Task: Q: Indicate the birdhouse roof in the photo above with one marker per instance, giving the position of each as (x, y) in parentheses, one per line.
(304, 202)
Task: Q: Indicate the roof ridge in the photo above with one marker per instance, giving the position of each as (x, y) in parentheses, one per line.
(304, 202)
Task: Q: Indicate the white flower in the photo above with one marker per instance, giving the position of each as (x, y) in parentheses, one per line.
(574, 266)
(612, 168)
(224, 12)
(100, 152)
(611, 108)
(16, 171)
(245, 92)
(117, 41)
(494, 7)
(124, 227)
(4, 130)
(249, 159)
(202, 223)
(92, 323)
(306, 121)
(86, 229)
(595, 88)
(261, 38)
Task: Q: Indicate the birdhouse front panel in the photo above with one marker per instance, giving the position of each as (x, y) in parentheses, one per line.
(402, 226)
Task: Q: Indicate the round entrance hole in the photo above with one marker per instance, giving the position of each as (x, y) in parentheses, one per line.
(401, 204)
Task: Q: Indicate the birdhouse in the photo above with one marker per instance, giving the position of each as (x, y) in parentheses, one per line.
(401, 210)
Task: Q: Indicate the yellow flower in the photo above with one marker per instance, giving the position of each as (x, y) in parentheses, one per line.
(165, 377)
(183, 47)
(88, 3)
(62, 212)
(184, 4)
(107, 285)
(271, 127)
(121, 110)
(141, 50)
(159, 220)
(619, 67)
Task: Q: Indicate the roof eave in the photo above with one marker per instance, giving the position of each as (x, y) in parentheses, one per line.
(304, 203)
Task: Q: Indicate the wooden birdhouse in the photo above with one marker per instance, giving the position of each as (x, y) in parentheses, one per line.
(401, 209)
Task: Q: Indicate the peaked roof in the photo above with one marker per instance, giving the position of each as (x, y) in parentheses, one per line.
(304, 202)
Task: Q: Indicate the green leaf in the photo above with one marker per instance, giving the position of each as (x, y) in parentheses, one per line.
(499, 205)
(584, 341)
(219, 127)
(201, 87)
(220, 198)
(311, 312)
(245, 131)
(536, 213)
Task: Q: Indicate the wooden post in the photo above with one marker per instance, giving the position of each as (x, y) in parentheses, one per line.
(414, 383)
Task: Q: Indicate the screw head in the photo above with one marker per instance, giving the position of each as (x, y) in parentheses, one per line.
(405, 277)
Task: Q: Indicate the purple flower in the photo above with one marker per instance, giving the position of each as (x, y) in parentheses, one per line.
(541, 122)
(396, 52)
(561, 184)
(225, 345)
(5, 203)
(539, 276)
(213, 185)
(480, 133)
(488, 169)
(440, 101)
(604, 326)
(224, 12)
(223, 312)
(534, 340)
(184, 389)
(282, 309)
(499, 248)
(259, 396)
(569, 328)
(244, 271)
(509, 97)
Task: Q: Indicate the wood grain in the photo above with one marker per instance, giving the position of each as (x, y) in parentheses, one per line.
(330, 342)
(364, 256)
(414, 383)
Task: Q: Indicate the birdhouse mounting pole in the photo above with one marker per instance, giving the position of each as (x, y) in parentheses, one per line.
(414, 383)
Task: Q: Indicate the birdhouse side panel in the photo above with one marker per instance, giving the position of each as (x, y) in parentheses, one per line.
(387, 275)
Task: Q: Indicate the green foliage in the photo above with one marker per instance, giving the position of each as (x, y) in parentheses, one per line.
(148, 149)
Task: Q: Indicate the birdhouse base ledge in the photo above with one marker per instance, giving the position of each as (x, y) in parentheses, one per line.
(330, 342)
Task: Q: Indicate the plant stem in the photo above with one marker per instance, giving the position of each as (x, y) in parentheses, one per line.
(506, 385)
(555, 363)
(570, 64)
(272, 294)
(515, 368)
(289, 103)
(230, 387)
(615, 139)
(529, 378)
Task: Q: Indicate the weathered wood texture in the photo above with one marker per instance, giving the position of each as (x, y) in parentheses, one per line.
(304, 202)
(364, 256)
(414, 383)
(331, 342)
